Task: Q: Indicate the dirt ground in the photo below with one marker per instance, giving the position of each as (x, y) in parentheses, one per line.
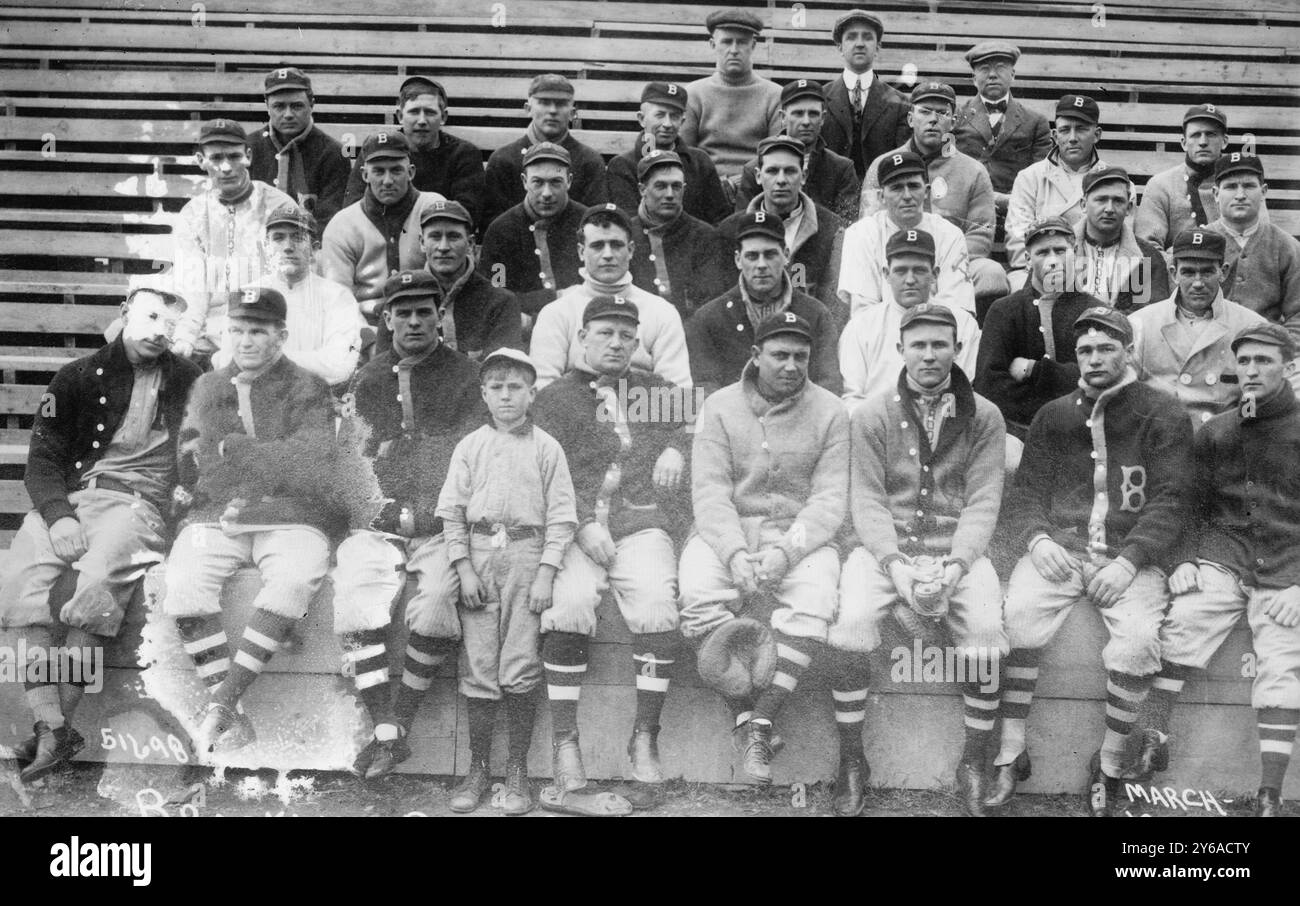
(124, 790)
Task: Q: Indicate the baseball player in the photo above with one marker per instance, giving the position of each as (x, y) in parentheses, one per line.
(627, 470)
(1097, 504)
(100, 473)
(925, 485)
(769, 484)
(410, 406)
(1112, 264)
(1242, 559)
(865, 117)
(260, 436)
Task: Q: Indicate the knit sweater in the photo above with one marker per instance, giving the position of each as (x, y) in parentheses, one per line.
(510, 255)
(829, 180)
(1127, 275)
(453, 169)
(1265, 275)
(1137, 507)
(555, 348)
(703, 198)
(862, 283)
(780, 467)
(483, 317)
(689, 251)
(1041, 190)
(324, 167)
(503, 188)
(1166, 210)
(363, 246)
(906, 497)
(728, 121)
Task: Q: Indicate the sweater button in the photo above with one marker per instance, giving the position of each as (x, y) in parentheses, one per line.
(99, 371)
(924, 492)
(103, 401)
(99, 427)
(537, 252)
(903, 425)
(95, 444)
(1184, 378)
(912, 451)
(652, 257)
(76, 465)
(740, 327)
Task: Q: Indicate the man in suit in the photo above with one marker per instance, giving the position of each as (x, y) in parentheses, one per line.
(865, 117)
(996, 129)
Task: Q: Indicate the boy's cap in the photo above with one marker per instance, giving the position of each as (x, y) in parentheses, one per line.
(786, 322)
(610, 307)
(1200, 244)
(1107, 317)
(1272, 334)
(506, 354)
(257, 303)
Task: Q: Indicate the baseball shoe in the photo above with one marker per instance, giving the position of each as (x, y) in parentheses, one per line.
(851, 786)
(1103, 790)
(389, 753)
(1268, 803)
(756, 760)
(54, 746)
(362, 762)
(643, 752)
(224, 725)
(970, 786)
(469, 795)
(566, 763)
(740, 739)
(1154, 757)
(1005, 778)
(517, 799)
(25, 751)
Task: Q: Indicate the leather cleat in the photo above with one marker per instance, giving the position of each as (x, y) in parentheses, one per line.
(566, 763)
(54, 746)
(740, 738)
(517, 798)
(1005, 778)
(25, 751)
(851, 786)
(1154, 757)
(361, 763)
(1103, 790)
(756, 760)
(225, 726)
(468, 796)
(970, 787)
(1268, 803)
(643, 752)
(388, 755)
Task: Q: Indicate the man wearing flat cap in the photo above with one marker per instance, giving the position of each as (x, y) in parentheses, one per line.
(551, 108)
(444, 164)
(864, 116)
(662, 112)
(1097, 507)
(292, 153)
(1052, 187)
(1240, 559)
(1182, 344)
(994, 127)
(729, 112)
(1114, 265)
(830, 179)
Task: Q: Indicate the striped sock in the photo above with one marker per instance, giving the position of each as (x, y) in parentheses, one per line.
(365, 659)
(206, 644)
(43, 699)
(1277, 728)
(1165, 689)
(850, 683)
(979, 708)
(262, 637)
(42, 695)
(80, 646)
(482, 718)
(654, 669)
(793, 655)
(521, 712)
(424, 655)
(564, 655)
(1017, 696)
(742, 709)
(1124, 695)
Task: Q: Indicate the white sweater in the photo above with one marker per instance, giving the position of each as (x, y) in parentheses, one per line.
(862, 280)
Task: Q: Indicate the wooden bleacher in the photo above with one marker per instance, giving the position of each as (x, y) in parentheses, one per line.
(101, 104)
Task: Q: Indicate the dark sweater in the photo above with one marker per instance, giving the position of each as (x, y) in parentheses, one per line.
(509, 255)
(695, 274)
(454, 170)
(815, 264)
(86, 394)
(504, 189)
(830, 181)
(323, 163)
(703, 198)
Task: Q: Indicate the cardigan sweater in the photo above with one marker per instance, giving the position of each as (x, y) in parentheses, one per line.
(690, 252)
(503, 187)
(703, 198)
(324, 166)
(1265, 275)
(829, 180)
(510, 256)
(365, 244)
(452, 169)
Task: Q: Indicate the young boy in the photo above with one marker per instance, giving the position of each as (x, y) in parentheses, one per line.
(508, 516)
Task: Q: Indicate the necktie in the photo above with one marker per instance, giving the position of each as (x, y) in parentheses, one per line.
(996, 110)
(996, 106)
(857, 95)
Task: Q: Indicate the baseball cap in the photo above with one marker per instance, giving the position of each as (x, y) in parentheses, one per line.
(410, 284)
(1079, 107)
(801, 88)
(990, 50)
(760, 223)
(1236, 162)
(610, 307)
(856, 15)
(606, 211)
(781, 143)
(665, 94)
(257, 303)
(933, 90)
(391, 145)
(547, 151)
(507, 354)
(927, 313)
(785, 322)
(1048, 225)
(289, 78)
(733, 18)
(1105, 316)
(417, 82)
(900, 163)
(292, 215)
(1273, 334)
(1200, 244)
(913, 242)
(1206, 112)
(1106, 174)
(222, 130)
(550, 84)
(446, 210)
(656, 158)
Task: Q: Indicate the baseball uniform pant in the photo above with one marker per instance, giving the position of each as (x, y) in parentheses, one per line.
(643, 577)
(500, 652)
(807, 593)
(371, 575)
(293, 562)
(124, 537)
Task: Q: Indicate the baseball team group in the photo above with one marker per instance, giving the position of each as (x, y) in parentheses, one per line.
(891, 341)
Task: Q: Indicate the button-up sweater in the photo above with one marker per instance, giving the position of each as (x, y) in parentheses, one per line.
(454, 170)
(503, 189)
(703, 198)
(1265, 275)
(815, 254)
(510, 255)
(691, 255)
(829, 180)
(1041, 190)
(324, 167)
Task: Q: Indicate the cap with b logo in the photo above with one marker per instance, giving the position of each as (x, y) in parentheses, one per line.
(985, 51)
(1115, 322)
(1094, 178)
(802, 88)
(550, 84)
(257, 303)
(665, 94)
(1047, 226)
(1272, 334)
(1200, 244)
(787, 322)
(287, 79)
(547, 151)
(291, 215)
(781, 143)
(1236, 162)
(656, 158)
(1079, 107)
(927, 313)
(760, 223)
(897, 164)
(610, 307)
(446, 210)
(1207, 112)
(381, 145)
(934, 91)
(910, 242)
(222, 131)
(741, 19)
(410, 284)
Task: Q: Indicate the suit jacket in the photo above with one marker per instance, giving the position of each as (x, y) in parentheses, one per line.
(884, 121)
(1025, 138)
